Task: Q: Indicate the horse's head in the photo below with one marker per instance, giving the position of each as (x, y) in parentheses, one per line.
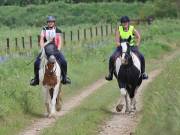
(50, 66)
(125, 58)
(47, 54)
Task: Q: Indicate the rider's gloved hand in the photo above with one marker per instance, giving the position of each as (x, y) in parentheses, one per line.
(119, 48)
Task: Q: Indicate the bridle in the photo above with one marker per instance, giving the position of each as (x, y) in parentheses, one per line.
(52, 71)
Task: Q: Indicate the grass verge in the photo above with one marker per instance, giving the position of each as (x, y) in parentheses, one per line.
(161, 112)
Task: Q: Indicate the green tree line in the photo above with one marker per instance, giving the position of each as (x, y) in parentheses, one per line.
(27, 2)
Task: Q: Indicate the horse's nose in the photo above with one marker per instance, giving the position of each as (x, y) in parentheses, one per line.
(52, 59)
(123, 61)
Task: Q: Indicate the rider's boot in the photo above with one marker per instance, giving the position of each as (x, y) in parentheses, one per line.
(65, 79)
(35, 80)
(143, 73)
(144, 76)
(111, 71)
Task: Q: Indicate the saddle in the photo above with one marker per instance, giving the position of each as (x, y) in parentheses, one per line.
(50, 49)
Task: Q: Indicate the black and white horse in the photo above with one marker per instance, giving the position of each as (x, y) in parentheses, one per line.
(128, 73)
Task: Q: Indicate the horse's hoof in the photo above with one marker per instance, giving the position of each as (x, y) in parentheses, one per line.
(52, 115)
(132, 111)
(46, 114)
(58, 107)
(127, 111)
(119, 108)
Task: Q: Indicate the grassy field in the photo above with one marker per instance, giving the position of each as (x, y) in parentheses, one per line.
(25, 101)
(70, 14)
(161, 111)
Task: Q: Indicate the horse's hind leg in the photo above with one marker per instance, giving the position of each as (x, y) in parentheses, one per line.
(127, 103)
(53, 100)
(133, 104)
(59, 100)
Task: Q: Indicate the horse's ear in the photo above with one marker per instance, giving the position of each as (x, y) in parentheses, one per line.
(129, 39)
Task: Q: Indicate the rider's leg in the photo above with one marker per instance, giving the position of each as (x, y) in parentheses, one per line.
(142, 59)
(63, 64)
(111, 63)
(35, 81)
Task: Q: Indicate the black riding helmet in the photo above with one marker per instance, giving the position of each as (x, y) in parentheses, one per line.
(51, 19)
(124, 19)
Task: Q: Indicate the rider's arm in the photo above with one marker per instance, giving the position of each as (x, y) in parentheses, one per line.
(60, 41)
(117, 37)
(138, 37)
(42, 39)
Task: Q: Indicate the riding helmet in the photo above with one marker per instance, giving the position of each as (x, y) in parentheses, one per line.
(51, 19)
(124, 19)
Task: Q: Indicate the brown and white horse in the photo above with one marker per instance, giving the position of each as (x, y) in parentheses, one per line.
(49, 76)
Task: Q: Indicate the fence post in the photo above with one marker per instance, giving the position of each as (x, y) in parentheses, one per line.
(96, 31)
(30, 41)
(111, 29)
(138, 21)
(64, 39)
(16, 43)
(106, 30)
(78, 35)
(8, 47)
(23, 42)
(85, 34)
(71, 33)
(38, 40)
(91, 34)
(101, 30)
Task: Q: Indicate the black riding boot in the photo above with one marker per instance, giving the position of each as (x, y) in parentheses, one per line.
(111, 70)
(35, 81)
(143, 73)
(65, 79)
(63, 64)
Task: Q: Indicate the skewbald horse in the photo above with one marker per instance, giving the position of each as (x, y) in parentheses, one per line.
(128, 72)
(49, 76)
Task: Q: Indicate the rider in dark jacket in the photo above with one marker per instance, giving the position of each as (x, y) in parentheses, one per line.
(51, 34)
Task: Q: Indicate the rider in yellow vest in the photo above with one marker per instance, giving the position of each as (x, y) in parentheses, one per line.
(126, 32)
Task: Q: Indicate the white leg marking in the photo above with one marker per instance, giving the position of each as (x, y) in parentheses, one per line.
(123, 91)
(53, 101)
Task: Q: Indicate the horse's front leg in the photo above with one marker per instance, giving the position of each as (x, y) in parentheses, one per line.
(46, 100)
(123, 96)
(53, 100)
